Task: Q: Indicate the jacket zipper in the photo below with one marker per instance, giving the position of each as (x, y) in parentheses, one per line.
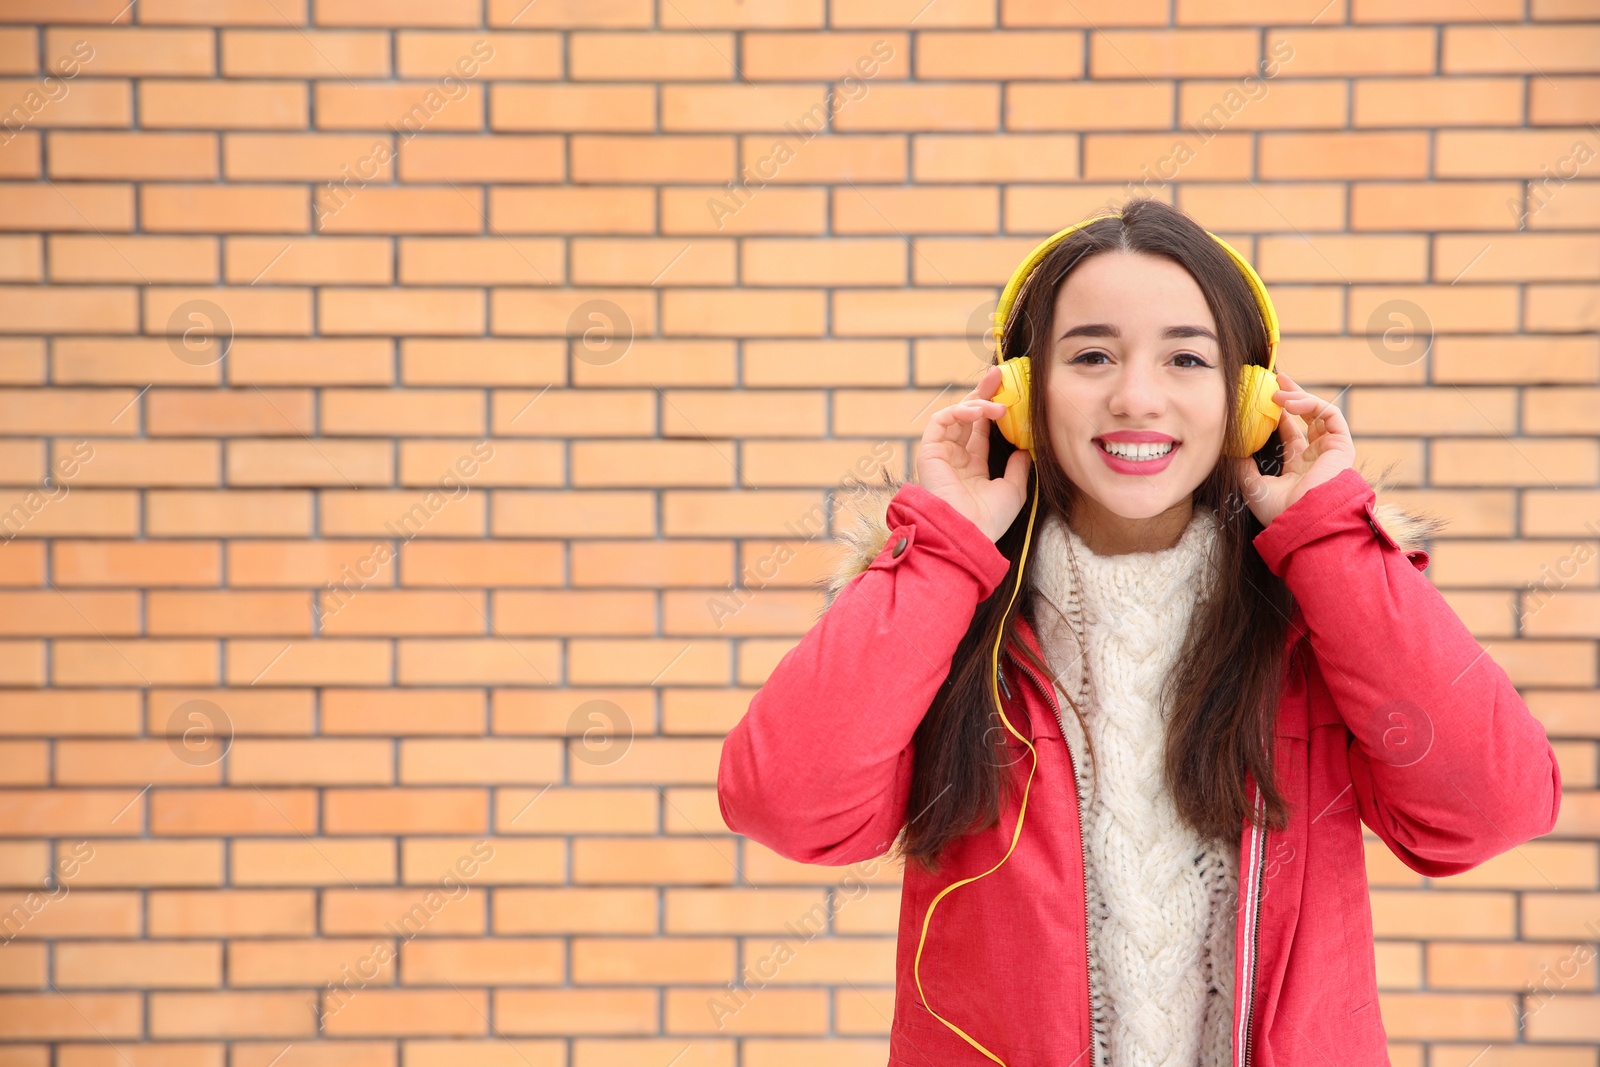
(1259, 864)
(1255, 937)
(1083, 851)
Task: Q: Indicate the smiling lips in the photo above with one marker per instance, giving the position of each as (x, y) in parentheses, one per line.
(1137, 451)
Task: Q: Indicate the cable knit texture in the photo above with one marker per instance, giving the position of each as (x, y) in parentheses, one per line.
(1161, 899)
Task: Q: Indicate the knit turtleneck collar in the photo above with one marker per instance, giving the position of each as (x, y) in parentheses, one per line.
(1129, 583)
(1135, 596)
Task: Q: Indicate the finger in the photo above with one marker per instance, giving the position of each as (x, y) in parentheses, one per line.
(1017, 470)
(1325, 417)
(988, 383)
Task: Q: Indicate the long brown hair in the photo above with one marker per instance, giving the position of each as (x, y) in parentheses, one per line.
(1224, 689)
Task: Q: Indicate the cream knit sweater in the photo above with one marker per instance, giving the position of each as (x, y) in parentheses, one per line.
(1161, 900)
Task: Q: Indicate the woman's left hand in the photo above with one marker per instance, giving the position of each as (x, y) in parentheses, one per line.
(1311, 456)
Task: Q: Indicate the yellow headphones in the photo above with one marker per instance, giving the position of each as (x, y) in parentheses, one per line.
(1257, 417)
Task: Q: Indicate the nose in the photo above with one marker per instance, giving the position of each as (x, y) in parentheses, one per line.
(1137, 392)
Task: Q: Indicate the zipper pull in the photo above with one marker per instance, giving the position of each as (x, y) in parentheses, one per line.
(1000, 675)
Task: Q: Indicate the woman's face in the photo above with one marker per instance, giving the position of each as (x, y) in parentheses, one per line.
(1135, 356)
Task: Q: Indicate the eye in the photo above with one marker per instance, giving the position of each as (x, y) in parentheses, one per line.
(1198, 360)
(1083, 356)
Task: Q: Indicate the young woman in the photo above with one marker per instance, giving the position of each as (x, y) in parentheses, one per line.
(1252, 667)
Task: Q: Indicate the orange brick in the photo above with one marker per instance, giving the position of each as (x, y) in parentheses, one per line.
(618, 108)
(304, 54)
(1117, 105)
(138, 51)
(211, 209)
(310, 463)
(274, 361)
(282, 261)
(80, 613)
(318, 157)
(87, 102)
(404, 109)
(279, 662)
(606, 1011)
(152, 863)
(107, 713)
(21, 258)
(21, 153)
(218, 313)
(393, 811)
(475, 54)
(366, 209)
(84, 1016)
(398, 13)
(403, 514)
(130, 361)
(308, 962)
(402, 311)
(133, 155)
(223, 105)
(227, 513)
(230, 912)
(132, 662)
(468, 157)
(481, 563)
(1437, 102)
(276, 564)
(132, 258)
(57, 813)
(410, 1012)
(78, 206)
(220, 613)
(653, 157)
(230, 1014)
(494, 260)
(228, 413)
(481, 362)
(701, 960)
(383, 613)
(232, 811)
(397, 711)
(136, 563)
(574, 14)
(558, 210)
(482, 762)
(665, 56)
(145, 463)
(19, 48)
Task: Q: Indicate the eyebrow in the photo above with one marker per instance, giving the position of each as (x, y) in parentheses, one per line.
(1106, 329)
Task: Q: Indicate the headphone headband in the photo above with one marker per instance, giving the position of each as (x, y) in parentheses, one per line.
(1019, 277)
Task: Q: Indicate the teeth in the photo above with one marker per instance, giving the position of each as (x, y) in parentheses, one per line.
(1137, 452)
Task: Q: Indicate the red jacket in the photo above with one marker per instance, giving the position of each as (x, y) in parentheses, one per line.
(1391, 715)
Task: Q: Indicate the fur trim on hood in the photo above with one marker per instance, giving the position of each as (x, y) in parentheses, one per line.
(865, 537)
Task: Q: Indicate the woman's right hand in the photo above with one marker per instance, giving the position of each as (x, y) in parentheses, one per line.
(953, 460)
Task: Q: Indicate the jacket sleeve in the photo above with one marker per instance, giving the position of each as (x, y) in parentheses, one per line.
(1448, 765)
(819, 767)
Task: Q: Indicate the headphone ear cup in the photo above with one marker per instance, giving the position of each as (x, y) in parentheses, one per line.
(1258, 415)
(1016, 382)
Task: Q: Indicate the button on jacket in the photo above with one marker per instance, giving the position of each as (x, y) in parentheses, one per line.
(1390, 715)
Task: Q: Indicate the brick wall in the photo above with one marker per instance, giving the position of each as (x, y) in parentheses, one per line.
(409, 435)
